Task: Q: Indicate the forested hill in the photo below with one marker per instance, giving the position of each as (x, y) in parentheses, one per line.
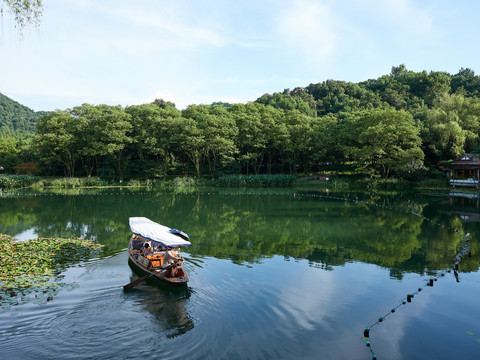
(16, 118)
(402, 125)
(402, 89)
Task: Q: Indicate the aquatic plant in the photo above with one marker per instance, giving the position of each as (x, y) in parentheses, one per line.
(32, 268)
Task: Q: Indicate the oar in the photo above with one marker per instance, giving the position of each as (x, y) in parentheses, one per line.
(142, 279)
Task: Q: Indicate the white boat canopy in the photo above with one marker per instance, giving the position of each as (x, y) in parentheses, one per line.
(150, 230)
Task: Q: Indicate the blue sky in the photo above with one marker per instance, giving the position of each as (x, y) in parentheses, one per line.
(200, 51)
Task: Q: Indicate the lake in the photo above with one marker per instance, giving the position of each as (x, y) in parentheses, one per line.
(295, 273)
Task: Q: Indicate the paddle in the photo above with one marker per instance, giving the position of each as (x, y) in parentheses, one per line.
(142, 279)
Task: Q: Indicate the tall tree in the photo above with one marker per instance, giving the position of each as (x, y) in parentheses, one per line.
(380, 141)
(57, 140)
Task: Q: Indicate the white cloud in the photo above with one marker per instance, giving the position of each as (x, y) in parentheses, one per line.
(310, 27)
(172, 25)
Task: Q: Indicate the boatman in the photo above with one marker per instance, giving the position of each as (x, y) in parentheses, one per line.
(169, 258)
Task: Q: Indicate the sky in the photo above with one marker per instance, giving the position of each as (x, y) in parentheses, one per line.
(202, 51)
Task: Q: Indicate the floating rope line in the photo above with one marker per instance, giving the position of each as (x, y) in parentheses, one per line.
(464, 250)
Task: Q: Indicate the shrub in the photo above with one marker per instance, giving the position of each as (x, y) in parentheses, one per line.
(134, 182)
(184, 182)
(255, 180)
(29, 168)
(13, 181)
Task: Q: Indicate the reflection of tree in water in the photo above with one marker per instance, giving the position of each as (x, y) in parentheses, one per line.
(248, 227)
(167, 305)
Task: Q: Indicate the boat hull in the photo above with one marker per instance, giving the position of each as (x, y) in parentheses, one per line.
(158, 274)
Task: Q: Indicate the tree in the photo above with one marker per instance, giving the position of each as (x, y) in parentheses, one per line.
(162, 104)
(251, 140)
(25, 12)
(102, 130)
(298, 146)
(190, 140)
(323, 139)
(57, 140)
(218, 130)
(152, 135)
(451, 127)
(9, 153)
(380, 141)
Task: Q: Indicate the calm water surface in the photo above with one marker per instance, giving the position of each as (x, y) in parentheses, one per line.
(274, 274)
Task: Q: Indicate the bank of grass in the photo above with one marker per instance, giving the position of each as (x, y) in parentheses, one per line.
(263, 180)
(373, 184)
(186, 183)
(30, 269)
(38, 183)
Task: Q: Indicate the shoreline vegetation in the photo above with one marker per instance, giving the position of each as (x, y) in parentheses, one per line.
(30, 270)
(331, 181)
(405, 125)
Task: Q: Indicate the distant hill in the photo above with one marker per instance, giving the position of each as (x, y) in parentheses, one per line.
(16, 118)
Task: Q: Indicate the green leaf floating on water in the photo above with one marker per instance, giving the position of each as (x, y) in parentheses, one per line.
(30, 268)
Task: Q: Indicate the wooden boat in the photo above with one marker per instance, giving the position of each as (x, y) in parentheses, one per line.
(154, 251)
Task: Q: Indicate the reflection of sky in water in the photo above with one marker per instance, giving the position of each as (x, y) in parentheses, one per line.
(26, 235)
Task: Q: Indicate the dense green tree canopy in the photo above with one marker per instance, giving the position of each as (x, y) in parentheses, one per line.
(396, 125)
(381, 141)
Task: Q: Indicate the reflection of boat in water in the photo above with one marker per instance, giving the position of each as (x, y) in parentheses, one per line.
(152, 251)
(168, 306)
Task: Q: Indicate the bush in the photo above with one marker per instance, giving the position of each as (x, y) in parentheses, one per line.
(184, 182)
(433, 184)
(135, 183)
(255, 180)
(74, 182)
(30, 168)
(15, 181)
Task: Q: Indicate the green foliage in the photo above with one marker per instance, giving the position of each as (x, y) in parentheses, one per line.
(28, 267)
(134, 183)
(432, 184)
(393, 126)
(25, 12)
(16, 119)
(381, 141)
(30, 168)
(184, 182)
(16, 181)
(255, 180)
(71, 183)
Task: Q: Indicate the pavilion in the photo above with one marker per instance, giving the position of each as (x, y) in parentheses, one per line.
(465, 171)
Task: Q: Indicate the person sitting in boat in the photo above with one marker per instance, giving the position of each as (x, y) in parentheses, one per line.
(147, 249)
(169, 258)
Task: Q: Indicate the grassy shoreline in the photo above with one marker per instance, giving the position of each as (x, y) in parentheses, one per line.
(331, 181)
